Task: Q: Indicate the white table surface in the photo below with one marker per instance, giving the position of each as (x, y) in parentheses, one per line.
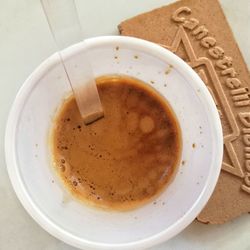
(25, 41)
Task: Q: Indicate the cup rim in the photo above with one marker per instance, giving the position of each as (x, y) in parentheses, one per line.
(47, 223)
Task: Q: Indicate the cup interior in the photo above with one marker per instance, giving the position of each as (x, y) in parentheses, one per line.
(28, 153)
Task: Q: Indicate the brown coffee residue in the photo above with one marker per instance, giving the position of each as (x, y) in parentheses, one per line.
(125, 159)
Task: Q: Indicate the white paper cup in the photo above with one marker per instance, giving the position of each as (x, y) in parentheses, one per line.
(42, 195)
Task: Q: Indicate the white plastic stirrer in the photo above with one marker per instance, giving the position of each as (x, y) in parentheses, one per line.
(64, 23)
